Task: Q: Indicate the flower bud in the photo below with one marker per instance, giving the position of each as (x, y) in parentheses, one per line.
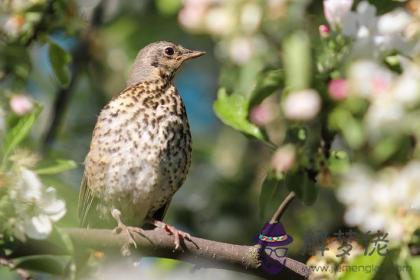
(21, 104)
(302, 105)
(324, 30)
(263, 113)
(338, 89)
(284, 158)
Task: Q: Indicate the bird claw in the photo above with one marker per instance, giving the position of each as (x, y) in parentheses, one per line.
(129, 232)
(178, 234)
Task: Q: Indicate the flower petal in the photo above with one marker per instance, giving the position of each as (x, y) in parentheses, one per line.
(38, 227)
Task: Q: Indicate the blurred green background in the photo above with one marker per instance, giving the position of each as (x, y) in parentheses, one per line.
(220, 198)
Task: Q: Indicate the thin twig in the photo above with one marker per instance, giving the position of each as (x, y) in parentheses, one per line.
(81, 58)
(63, 94)
(282, 208)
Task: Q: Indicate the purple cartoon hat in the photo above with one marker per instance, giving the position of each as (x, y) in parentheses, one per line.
(274, 235)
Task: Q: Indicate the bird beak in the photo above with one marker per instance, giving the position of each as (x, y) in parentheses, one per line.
(189, 54)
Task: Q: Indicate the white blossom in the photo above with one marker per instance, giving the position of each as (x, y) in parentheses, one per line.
(336, 10)
(369, 79)
(302, 105)
(13, 25)
(384, 112)
(373, 34)
(219, 21)
(251, 16)
(406, 89)
(390, 95)
(241, 49)
(362, 23)
(382, 201)
(235, 24)
(394, 22)
(192, 15)
(37, 207)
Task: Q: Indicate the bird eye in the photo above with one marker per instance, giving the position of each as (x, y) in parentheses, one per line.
(169, 51)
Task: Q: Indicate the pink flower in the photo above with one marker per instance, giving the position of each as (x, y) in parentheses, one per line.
(21, 104)
(336, 10)
(284, 158)
(263, 113)
(324, 30)
(338, 89)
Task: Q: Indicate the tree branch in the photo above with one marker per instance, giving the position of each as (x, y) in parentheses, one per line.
(282, 208)
(157, 243)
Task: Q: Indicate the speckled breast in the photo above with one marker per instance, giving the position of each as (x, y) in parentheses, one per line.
(140, 152)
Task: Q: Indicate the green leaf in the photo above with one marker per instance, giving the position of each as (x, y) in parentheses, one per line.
(168, 7)
(389, 265)
(15, 57)
(268, 82)
(297, 61)
(414, 267)
(60, 240)
(305, 189)
(358, 269)
(269, 191)
(59, 166)
(60, 60)
(233, 111)
(385, 148)
(338, 162)
(7, 274)
(52, 264)
(350, 127)
(19, 132)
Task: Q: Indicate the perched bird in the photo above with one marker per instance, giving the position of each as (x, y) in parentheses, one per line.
(141, 147)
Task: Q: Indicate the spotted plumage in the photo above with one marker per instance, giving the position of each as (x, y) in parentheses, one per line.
(141, 145)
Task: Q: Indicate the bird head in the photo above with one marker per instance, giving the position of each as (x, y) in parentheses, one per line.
(159, 60)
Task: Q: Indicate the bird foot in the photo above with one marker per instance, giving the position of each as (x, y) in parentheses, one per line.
(127, 230)
(178, 234)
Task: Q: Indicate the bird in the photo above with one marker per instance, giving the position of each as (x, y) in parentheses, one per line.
(140, 151)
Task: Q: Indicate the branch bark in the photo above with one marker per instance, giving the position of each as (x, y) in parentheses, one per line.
(282, 208)
(202, 252)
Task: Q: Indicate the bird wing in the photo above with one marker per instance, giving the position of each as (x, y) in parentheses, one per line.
(160, 213)
(86, 201)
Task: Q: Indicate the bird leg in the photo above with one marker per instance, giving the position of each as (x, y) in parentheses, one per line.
(129, 231)
(178, 234)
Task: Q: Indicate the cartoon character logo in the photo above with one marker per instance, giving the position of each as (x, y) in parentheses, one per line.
(273, 239)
